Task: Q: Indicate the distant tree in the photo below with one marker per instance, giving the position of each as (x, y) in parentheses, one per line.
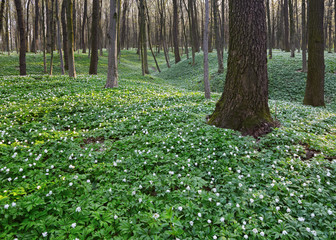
(292, 28)
(314, 95)
(94, 37)
(285, 16)
(219, 47)
(244, 102)
(36, 27)
(176, 32)
(269, 28)
(71, 60)
(112, 74)
(65, 35)
(83, 45)
(143, 37)
(304, 37)
(59, 37)
(20, 22)
(205, 49)
(52, 41)
(2, 9)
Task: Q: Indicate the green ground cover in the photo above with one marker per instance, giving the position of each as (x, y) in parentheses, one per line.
(139, 162)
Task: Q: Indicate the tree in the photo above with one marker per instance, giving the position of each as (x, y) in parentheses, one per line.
(219, 47)
(269, 34)
(94, 37)
(112, 75)
(292, 28)
(22, 37)
(71, 57)
(205, 49)
(36, 29)
(65, 35)
(176, 32)
(143, 37)
(304, 37)
(83, 27)
(314, 94)
(243, 105)
(285, 16)
(2, 9)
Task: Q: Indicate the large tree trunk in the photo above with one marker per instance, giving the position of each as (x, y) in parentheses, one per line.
(314, 95)
(292, 28)
(286, 37)
(94, 37)
(218, 38)
(205, 49)
(71, 57)
(112, 75)
(22, 37)
(83, 27)
(65, 35)
(176, 32)
(244, 102)
(304, 37)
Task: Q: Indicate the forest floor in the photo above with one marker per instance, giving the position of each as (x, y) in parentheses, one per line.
(78, 161)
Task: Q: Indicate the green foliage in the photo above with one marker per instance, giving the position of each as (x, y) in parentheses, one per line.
(139, 161)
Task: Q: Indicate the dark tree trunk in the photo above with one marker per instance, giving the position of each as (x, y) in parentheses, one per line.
(112, 75)
(83, 27)
(192, 30)
(65, 35)
(94, 37)
(36, 28)
(123, 25)
(286, 37)
(52, 39)
(330, 13)
(44, 37)
(304, 37)
(74, 20)
(7, 28)
(71, 57)
(27, 27)
(205, 49)
(292, 28)
(269, 35)
(59, 38)
(143, 38)
(22, 37)
(2, 9)
(176, 32)
(314, 95)
(218, 38)
(244, 102)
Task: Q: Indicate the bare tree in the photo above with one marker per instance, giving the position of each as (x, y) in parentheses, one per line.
(20, 22)
(205, 49)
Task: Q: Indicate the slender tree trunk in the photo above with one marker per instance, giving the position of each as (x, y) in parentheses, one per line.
(59, 39)
(94, 37)
(7, 28)
(285, 15)
(65, 35)
(2, 9)
(205, 49)
(74, 23)
(71, 57)
(52, 39)
(184, 32)
(123, 25)
(27, 23)
(20, 22)
(176, 32)
(335, 26)
(244, 102)
(292, 28)
(149, 39)
(304, 37)
(314, 95)
(143, 38)
(330, 13)
(192, 30)
(112, 75)
(218, 39)
(83, 27)
(36, 29)
(269, 35)
(44, 37)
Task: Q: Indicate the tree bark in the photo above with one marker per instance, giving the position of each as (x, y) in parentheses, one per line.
(143, 38)
(65, 35)
(59, 39)
(36, 28)
(176, 32)
(269, 35)
(218, 38)
(243, 105)
(22, 57)
(83, 27)
(123, 24)
(304, 37)
(286, 37)
(44, 37)
(330, 13)
(52, 38)
(205, 49)
(94, 37)
(112, 75)
(71, 57)
(2, 9)
(292, 28)
(314, 95)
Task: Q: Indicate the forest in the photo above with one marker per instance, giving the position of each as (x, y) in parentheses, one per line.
(167, 119)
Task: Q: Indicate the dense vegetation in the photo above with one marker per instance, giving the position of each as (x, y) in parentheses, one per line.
(139, 162)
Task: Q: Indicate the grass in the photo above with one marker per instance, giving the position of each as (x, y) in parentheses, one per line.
(138, 162)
